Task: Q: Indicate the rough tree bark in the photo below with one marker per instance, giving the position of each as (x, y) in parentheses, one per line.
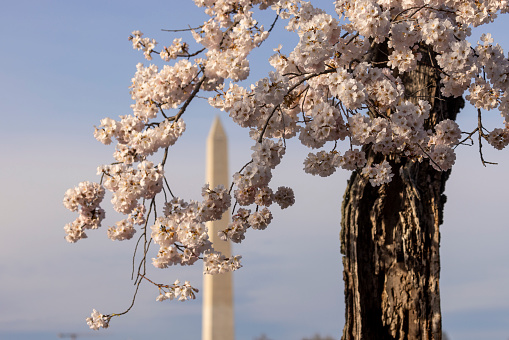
(390, 237)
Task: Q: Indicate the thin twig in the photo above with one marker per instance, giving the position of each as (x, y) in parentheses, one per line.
(142, 235)
(132, 303)
(469, 136)
(273, 23)
(183, 29)
(165, 156)
(408, 9)
(134, 257)
(168, 186)
(429, 156)
(481, 135)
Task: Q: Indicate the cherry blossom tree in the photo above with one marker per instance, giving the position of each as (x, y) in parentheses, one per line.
(373, 89)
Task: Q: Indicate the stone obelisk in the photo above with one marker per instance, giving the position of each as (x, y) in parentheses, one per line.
(217, 323)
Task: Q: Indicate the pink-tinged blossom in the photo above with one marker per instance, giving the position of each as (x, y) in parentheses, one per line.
(443, 157)
(259, 220)
(268, 153)
(482, 95)
(98, 320)
(123, 230)
(404, 60)
(215, 202)
(378, 174)
(86, 194)
(147, 45)
(285, 197)
(176, 290)
(499, 138)
(447, 132)
(353, 159)
(245, 195)
(322, 163)
(264, 196)
(215, 263)
(237, 227)
(85, 198)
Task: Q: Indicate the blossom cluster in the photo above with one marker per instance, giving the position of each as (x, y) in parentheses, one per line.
(216, 263)
(98, 320)
(252, 188)
(183, 237)
(344, 85)
(147, 45)
(124, 229)
(226, 54)
(129, 184)
(85, 198)
(322, 163)
(181, 292)
(379, 173)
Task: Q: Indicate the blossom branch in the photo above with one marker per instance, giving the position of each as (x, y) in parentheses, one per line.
(331, 70)
(190, 98)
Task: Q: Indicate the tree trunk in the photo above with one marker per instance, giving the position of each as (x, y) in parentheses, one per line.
(390, 238)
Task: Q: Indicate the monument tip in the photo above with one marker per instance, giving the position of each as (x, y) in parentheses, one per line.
(217, 130)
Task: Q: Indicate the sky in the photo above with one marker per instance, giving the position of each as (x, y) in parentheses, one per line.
(66, 65)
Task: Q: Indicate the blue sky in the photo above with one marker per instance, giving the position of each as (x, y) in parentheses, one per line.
(66, 65)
